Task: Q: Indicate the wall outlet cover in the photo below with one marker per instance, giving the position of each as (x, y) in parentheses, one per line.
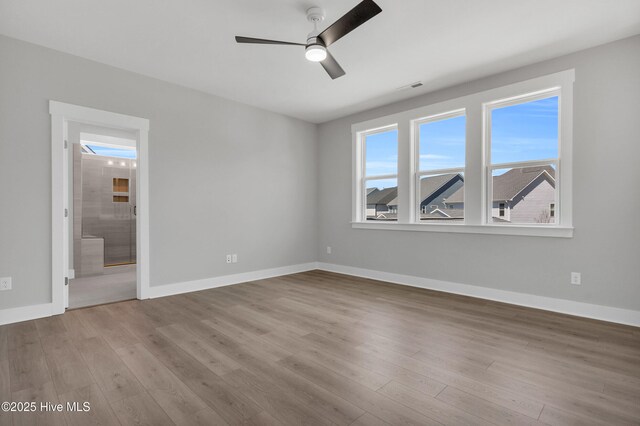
(228, 258)
(5, 283)
(576, 278)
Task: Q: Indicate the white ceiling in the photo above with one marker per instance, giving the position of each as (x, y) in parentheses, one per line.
(440, 42)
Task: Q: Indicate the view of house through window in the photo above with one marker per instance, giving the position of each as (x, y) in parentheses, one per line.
(524, 162)
(441, 162)
(381, 175)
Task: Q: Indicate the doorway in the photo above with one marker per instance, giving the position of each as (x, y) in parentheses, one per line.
(100, 217)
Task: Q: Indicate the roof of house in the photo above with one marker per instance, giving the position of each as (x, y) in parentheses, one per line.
(452, 213)
(382, 196)
(430, 184)
(509, 184)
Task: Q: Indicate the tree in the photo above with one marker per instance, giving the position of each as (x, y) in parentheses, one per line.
(544, 217)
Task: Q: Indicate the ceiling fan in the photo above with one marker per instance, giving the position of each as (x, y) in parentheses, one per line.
(317, 42)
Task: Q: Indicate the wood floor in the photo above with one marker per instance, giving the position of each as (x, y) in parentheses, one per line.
(322, 348)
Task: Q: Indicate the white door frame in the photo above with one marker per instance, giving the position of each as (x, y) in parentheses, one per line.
(61, 114)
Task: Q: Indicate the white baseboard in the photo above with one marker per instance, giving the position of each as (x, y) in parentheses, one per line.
(580, 309)
(25, 313)
(207, 283)
(587, 310)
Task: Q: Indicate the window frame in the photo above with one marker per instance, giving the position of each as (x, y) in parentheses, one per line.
(363, 167)
(476, 161)
(415, 124)
(488, 108)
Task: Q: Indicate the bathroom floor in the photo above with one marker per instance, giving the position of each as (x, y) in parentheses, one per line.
(116, 284)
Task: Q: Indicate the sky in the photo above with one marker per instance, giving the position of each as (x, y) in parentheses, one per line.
(522, 132)
(113, 152)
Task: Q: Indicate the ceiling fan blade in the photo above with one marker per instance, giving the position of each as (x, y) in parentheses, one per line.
(332, 67)
(357, 16)
(252, 40)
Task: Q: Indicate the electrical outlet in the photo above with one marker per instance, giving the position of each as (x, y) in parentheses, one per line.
(576, 278)
(234, 258)
(5, 283)
(328, 250)
(228, 258)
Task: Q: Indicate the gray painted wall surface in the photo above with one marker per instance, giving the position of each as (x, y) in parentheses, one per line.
(605, 248)
(211, 162)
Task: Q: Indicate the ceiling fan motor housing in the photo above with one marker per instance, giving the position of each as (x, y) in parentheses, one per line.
(315, 15)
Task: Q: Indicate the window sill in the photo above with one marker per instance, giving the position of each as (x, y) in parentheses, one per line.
(522, 230)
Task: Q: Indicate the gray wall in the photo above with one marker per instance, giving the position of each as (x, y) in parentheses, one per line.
(224, 177)
(606, 243)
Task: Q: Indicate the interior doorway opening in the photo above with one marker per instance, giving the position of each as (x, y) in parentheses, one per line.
(74, 125)
(103, 213)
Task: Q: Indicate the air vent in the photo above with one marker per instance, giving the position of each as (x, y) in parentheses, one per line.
(411, 86)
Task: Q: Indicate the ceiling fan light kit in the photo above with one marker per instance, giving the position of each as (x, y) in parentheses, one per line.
(315, 53)
(317, 42)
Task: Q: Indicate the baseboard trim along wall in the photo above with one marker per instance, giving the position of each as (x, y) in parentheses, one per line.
(563, 306)
(587, 310)
(207, 283)
(25, 313)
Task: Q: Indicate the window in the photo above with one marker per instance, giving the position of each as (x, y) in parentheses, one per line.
(440, 164)
(523, 140)
(380, 176)
(109, 151)
(496, 162)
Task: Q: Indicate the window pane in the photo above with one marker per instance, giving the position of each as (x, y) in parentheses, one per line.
(121, 152)
(442, 198)
(381, 153)
(523, 132)
(382, 199)
(442, 143)
(524, 195)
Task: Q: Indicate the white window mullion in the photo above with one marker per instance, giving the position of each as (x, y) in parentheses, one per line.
(405, 172)
(474, 167)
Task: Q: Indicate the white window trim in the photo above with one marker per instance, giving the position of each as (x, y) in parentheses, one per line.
(415, 142)
(476, 167)
(490, 167)
(360, 152)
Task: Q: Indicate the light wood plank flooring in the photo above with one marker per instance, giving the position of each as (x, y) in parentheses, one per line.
(326, 349)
